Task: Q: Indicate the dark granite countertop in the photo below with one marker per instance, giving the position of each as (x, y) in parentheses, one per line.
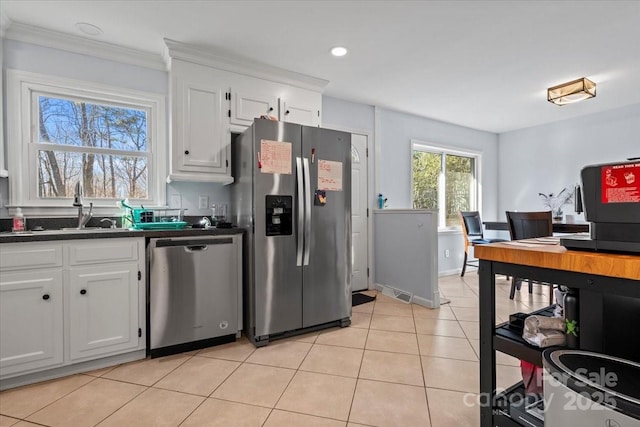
(51, 235)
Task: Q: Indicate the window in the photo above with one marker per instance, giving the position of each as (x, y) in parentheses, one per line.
(445, 180)
(110, 139)
(103, 146)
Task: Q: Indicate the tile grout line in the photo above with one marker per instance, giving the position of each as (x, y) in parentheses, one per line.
(61, 397)
(290, 380)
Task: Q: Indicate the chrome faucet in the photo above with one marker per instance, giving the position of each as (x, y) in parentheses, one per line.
(77, 202)
(112, 223)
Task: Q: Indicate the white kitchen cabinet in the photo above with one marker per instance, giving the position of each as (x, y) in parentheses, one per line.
(211, 93)
(200, 143)
(72, 301)
(103, 309)
(31, 333)
(302, 109)
(248, 104)
(286, 104)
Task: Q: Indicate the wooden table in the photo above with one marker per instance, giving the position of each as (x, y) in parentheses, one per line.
(609, 300)
(558, 227)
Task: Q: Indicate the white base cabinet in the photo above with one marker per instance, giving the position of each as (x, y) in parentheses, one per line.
(84, 300)
(103, 310)
(31, 333)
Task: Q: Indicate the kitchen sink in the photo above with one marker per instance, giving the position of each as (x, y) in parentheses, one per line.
(83, 230)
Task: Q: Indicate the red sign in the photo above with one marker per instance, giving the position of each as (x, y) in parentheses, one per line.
(621, 183)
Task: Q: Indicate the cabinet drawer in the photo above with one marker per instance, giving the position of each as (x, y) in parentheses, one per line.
(16, 256)
(103, 251)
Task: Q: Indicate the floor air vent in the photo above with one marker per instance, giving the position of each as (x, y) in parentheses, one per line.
(397, 294)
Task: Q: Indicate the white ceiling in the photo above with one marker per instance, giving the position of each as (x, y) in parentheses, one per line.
(481, 64)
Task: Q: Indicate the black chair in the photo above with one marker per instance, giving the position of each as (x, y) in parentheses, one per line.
(472, 232)
(528, 225)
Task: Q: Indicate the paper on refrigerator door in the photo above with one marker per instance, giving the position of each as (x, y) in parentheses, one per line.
(329, 175)
(275, 157)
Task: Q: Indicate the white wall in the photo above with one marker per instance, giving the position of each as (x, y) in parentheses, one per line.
(395, 132)
(44, 60)
(544, 159)
(346, 114)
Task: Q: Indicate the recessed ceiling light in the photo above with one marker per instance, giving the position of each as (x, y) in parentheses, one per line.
(88, 29)
(339, 51)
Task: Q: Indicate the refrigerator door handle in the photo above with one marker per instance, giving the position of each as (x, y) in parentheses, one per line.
(307, 212)
(300, 214)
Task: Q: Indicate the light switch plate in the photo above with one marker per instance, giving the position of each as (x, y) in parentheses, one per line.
(203, 202)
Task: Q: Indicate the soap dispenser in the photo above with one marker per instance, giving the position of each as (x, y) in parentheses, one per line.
(18, 221)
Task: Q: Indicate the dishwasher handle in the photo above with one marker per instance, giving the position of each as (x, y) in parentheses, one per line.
(193, 242)
(196, 248)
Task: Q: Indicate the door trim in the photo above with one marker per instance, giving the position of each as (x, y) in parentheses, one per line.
(370, 196)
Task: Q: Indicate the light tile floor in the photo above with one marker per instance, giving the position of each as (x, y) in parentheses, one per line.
(397, 365)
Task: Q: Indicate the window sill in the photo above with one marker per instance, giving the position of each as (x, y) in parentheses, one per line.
(449, 230)
(69, 211)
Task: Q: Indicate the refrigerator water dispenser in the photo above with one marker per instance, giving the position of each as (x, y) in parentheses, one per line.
(279, 215)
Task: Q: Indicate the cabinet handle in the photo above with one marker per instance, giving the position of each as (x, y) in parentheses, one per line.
(83, 291)
(286, 112)
(45, 297)
(270, 108)
(186, 152)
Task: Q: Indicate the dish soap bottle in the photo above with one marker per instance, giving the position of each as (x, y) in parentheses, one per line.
(18, 221)
(126, 214)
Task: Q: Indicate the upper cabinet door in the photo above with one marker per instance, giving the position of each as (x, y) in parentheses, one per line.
(302, 107)
(247, 104)
(199, 140)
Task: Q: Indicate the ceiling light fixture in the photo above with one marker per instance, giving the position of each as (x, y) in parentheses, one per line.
(339, 51)
(571, 92)
(88, 29)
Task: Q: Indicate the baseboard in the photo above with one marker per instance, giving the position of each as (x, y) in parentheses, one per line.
(76, 368)
(425, 302)
(449, 272)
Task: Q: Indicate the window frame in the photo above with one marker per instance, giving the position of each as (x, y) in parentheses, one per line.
(442, 150)
(23, 89)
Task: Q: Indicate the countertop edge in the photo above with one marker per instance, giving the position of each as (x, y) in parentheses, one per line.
(69, 235)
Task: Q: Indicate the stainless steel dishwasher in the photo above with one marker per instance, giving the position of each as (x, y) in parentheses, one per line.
(195, 297)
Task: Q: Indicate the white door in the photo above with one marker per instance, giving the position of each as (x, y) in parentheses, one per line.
(31, 331)
(103, 309)
(359, 237)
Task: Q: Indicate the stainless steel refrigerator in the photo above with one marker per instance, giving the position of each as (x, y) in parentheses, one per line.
(292, 195)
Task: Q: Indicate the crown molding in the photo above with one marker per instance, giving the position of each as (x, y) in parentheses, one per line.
(85, 46)
(211, 57)
(5, 23)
